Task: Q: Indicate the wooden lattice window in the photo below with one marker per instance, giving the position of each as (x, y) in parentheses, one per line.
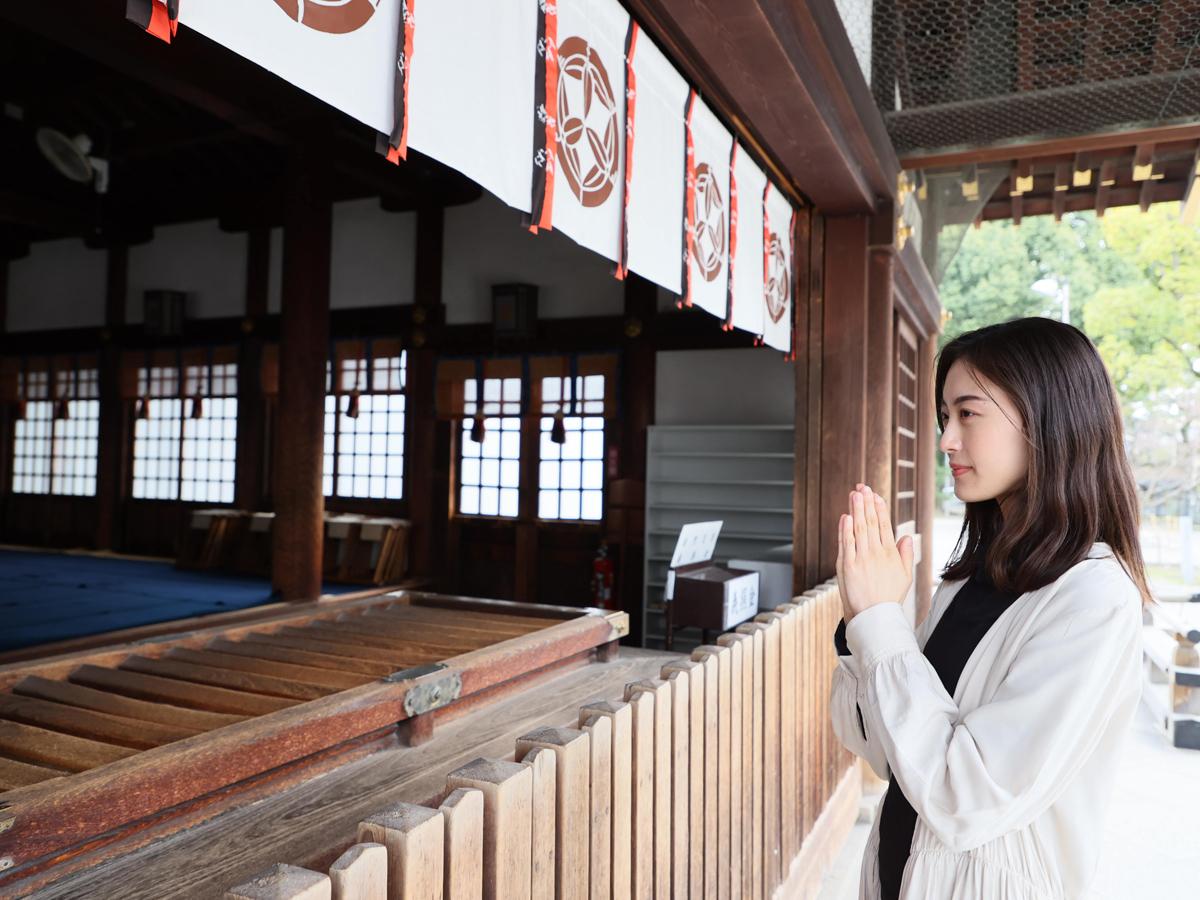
(571, 474)
(55, 441)
(185, 433)
(904, 500)
(489, 469)
(365, 413)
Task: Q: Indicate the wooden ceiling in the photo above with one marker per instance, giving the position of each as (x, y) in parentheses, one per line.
(190, 130)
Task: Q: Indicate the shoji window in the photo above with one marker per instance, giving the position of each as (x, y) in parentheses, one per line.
(489, 465)
(185, 432)
(209, 450)
(55, 440)
(571, 473)
(364, 425)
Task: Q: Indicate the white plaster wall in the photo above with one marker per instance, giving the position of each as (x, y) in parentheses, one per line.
(60, 284)
(197, 258)
(485, 244)
(373, 255)
(741, 386)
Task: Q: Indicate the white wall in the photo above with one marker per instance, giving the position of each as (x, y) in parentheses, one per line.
(485, 244)
(743, 386)
(374, 255)
(60, 284)
(208, 264)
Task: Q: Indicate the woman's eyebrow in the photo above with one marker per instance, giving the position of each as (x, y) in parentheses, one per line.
(965, 397)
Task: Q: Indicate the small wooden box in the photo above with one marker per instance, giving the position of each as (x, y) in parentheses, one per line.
(701, 593)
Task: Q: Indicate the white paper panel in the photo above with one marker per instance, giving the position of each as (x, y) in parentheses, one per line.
(589, 173)
(749, 182)
(777, 293)
(470, 93)
(351, 71)
(708, 182)
(655, 207)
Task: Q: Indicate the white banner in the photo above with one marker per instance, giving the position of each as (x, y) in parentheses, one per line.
(749, 182)
(587, 173)
(657, 166)
(778, 270)
(341, 51)
(709, 146)
(471, 89)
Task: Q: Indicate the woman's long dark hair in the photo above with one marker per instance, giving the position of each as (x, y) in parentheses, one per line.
(1079, 487)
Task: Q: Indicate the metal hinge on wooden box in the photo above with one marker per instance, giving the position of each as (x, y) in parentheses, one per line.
(699, 592)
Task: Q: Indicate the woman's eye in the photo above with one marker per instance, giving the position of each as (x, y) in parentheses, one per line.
(966, 412)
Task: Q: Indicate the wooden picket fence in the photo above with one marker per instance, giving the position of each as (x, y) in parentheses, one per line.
(708, 782)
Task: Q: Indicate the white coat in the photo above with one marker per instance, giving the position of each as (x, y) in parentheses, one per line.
(1010, 777)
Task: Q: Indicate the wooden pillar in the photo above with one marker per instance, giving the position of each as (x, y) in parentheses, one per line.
(252, 407)
(881, 371)
(843, 376)
(428, 451)
(808, 309)
(626, 500)
(926, 471)
(113, 430)
(303, 347)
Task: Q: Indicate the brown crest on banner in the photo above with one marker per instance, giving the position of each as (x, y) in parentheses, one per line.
(778, 277)
(708, 228)
(330, 16)
(588, 142)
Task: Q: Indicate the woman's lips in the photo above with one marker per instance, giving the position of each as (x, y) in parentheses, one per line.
(958, 470)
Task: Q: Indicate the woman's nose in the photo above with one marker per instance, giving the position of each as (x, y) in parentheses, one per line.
(949, 440)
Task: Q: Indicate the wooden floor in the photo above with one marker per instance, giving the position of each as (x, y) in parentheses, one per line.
(303, 822)
(93, 714)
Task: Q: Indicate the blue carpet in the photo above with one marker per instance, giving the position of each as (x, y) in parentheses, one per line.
(47, 597)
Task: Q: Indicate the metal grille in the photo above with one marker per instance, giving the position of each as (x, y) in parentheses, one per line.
(968, 73)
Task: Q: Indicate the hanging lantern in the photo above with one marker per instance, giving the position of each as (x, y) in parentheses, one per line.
(352, 405)
(142, 409)
(558, 431)
(62, 409)
(197, 407)
(477, 429)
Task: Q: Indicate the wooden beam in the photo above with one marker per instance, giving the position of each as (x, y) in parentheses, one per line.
(298, 532)
(1096, 142)
(843, 376)
(1143, 161)
(1062, 184)
(926, 470)
(1146, 194)
(1191, 194)
(881, 368)
(1081, 171)
(807, 406)
(784, 77)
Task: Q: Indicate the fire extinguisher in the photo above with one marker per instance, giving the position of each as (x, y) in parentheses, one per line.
(602, 579)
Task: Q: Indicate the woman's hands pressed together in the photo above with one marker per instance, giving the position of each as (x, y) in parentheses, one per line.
(872, 566)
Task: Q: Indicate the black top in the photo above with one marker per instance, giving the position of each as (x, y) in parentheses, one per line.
(974, 609)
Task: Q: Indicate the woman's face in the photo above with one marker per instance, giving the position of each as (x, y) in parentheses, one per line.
(982, 435)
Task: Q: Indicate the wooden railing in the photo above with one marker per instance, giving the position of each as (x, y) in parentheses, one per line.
(721, 778)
